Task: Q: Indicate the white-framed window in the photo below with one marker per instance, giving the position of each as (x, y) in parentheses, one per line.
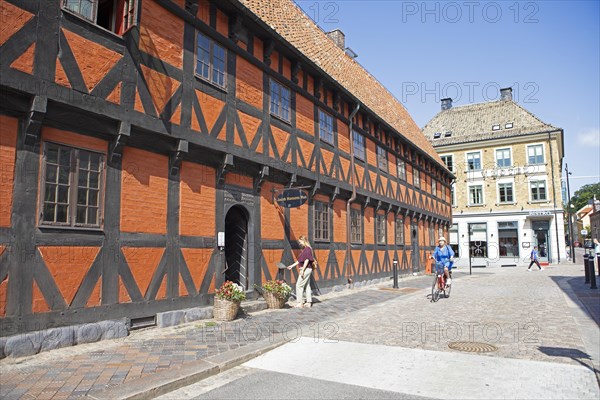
(537, 190)
(116, 16)
(474, 161)
(503, 158)
(535, 154)
(453, 194)
(359, 145)
(399, 231)
(380, 229)
(505, 192)
(321, 221)
(416, 178)
(210, 60)
(401, 165)
(325, 127)
(476, 195)
(433, 187)
(280, 100)
(382, 160)
(448, 160)
(355, 225)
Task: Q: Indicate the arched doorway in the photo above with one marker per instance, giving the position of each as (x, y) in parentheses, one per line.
(236, 246)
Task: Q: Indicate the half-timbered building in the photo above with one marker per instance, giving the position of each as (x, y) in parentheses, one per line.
(134, 132)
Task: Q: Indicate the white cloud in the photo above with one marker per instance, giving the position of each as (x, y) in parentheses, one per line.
(590, 137)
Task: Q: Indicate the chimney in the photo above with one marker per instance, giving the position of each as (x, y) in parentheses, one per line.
(506, 94)
(446, 104)
(338, 38)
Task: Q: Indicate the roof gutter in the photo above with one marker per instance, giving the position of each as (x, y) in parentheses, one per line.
(353, 197)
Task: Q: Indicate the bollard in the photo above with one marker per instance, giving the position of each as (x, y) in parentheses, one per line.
(585, 268)
(395, 269)
(592, 273)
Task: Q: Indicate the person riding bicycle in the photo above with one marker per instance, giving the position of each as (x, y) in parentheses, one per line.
(444, 258)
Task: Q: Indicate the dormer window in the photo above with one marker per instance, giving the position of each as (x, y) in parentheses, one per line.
(496, 127)
(447, 134)
(509, 125)
(437, 135)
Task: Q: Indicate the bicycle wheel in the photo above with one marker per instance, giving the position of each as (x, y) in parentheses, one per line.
(435, 289)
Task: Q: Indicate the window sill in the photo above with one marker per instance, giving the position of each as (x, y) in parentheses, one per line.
(539, 202)
(278, 118)
(475, 205)
(507, 203)
(74, 229)
(211, 84)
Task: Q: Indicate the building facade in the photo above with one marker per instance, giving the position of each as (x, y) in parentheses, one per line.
(507, 194)
(144, 144)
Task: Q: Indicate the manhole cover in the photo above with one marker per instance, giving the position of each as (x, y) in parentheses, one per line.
(472, 347)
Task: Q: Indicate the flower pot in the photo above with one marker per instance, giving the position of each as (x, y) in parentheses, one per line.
(225, 310)
(274, 301)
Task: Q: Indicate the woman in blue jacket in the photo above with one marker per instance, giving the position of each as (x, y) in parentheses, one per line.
(443, 256)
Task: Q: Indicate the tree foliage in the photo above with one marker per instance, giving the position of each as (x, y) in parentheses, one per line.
(584, 194)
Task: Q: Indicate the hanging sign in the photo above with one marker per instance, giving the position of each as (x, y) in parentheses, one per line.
(291, 198)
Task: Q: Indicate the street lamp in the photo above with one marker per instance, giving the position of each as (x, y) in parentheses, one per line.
(569, 211)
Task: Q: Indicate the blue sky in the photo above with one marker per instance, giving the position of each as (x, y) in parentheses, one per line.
(548, 51)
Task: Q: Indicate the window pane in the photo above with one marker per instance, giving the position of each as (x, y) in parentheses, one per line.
(61, 213)
(63, 175)
(49, 212)
(64, 157)
(83, 178)
(92, 215)
(94, 180)
(51, 175)
(63, 194)
(52, 153)
(50, 193)
(81, 214)
(82, 196)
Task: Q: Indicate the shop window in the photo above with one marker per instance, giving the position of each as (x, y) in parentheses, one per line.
(508, 239)
(478, 240)
(72, 190)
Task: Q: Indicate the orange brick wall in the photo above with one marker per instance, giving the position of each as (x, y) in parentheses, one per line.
(8, 142)
(371, 153)
(343, 137)
(299, 222)
(222, 23)
(391, 229)
(197, 197)
(161, 33)
(144, 186)
(239, 180)
(339, 220)
(369, 223)
(305, 120)
(249, 83)
(272, 217)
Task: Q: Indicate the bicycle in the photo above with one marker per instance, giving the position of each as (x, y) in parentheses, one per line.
(439, 284)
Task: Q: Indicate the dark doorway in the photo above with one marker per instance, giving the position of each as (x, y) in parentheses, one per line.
(414, 241)
(236, 246)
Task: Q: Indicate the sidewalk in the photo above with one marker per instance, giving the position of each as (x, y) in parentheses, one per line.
(158, 357)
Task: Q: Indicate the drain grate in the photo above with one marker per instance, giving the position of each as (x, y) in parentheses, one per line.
(473, 347)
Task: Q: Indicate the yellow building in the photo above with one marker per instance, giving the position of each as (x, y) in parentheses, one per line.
(507, 194)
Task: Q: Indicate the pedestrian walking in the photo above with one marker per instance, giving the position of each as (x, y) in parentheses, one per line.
(534, 259)
(306, 261)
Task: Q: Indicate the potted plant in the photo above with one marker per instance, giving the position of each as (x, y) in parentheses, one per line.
(276, 293)
(227, 301)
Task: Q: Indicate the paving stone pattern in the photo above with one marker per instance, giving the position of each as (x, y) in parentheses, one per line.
(73, 372)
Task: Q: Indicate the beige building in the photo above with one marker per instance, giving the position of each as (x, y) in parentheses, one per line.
(507, 194)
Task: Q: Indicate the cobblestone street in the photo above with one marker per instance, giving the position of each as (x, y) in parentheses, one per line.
(528, 316)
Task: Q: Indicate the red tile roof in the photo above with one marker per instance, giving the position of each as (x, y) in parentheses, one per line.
(295, 27)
